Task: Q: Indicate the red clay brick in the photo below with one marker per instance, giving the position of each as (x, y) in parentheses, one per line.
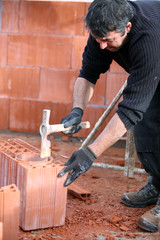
(52, 17)
(79, 191)
(57, 85)
(1, 231)
(58, 111)
(44, 194)
(26, 115)
(39, 50)
(116, 68)
(87, 4)
(78, 46)
(9, 158)
(4, 83)
(3, 48)
(10, 14)
(8, 170)
(19, 82)
(4, 110)
(9, 213)
(98, 97)
(24, 82)
(113, 85)
(23, 115)
(92, 114)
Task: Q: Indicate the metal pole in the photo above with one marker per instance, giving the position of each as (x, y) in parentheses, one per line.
(104, 116)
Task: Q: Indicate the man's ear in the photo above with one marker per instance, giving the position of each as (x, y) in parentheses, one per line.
(128, 27)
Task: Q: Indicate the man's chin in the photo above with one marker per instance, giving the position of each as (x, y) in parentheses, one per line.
(112, 49)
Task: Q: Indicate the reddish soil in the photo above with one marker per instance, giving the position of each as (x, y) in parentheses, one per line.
(103, 216)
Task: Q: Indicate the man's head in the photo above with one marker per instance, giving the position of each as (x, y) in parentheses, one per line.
(109, 19)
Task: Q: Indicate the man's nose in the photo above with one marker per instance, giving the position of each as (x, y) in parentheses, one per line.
(103, 45)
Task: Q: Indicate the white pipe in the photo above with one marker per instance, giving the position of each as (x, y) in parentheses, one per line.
(104, 165)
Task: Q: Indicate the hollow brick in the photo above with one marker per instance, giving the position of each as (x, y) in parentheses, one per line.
(52, 17)
(43, 195)
(1, 231)
(9, 211)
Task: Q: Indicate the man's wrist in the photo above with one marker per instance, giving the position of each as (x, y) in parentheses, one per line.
(77, 110)
(90, 153)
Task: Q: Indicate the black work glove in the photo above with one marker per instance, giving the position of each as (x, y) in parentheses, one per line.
(73, 118)
(79, 162)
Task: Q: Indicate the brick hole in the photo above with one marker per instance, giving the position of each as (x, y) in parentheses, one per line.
(20, 147)
(6, 144)
(13, 188)
(28, 156)
(11, 147)
(17, 151)
(26, 150)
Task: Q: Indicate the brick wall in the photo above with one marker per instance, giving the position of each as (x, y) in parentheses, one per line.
(41, 45)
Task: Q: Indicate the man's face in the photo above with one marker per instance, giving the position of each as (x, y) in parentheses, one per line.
(113, 40)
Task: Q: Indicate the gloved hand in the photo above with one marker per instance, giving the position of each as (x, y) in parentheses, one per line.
(79, 162)
(73, 118)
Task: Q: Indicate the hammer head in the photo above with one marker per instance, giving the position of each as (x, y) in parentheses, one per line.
(46, 130)
(45, 142)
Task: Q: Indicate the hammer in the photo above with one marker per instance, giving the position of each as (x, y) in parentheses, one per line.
(46, 129)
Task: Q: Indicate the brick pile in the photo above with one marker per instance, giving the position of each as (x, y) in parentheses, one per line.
(43, 196)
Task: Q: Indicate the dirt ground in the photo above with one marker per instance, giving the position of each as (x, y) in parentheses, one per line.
(103, 216)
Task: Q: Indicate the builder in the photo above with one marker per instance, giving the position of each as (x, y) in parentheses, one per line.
(129, 33)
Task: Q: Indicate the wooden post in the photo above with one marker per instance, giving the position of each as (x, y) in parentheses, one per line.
(130, 155)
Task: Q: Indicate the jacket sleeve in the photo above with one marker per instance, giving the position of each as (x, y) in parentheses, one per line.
(143, 80)
(94, 62)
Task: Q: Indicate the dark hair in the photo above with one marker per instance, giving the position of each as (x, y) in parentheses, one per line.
(108, 15)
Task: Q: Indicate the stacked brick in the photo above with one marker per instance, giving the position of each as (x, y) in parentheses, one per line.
(43, 195)
(1, 231)
(9, 212)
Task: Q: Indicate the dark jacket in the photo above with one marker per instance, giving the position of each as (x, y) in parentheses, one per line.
(140, 57)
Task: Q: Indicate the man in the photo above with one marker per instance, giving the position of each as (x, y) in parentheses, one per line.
(129, 33)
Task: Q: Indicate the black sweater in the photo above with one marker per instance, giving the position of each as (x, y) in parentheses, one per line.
(140, 57)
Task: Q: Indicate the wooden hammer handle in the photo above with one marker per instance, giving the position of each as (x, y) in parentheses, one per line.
(61, 128)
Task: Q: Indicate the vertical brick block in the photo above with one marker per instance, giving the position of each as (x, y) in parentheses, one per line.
(10, 15)
(92, 114)
(24, 82)
(8, 168)
(3, 49)
(113, 85)
(9, 211)
(116, 68)
(26, 115)
(9, 152)
(39, 50)
(44, 194)
(4, 82)
(19, 82)
(4, 110)
(1, 231)
(23, 115)
(98, 97)
(57, 85)
(78, 46)
(52, 17)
